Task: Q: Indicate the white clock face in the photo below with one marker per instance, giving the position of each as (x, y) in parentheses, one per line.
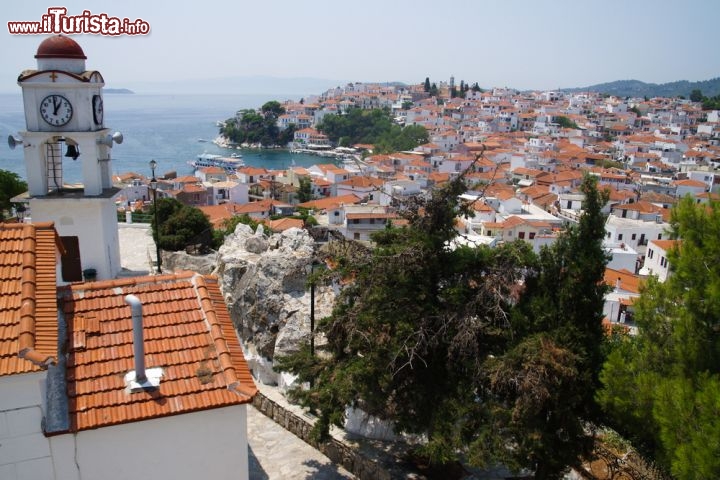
(97, 104)
(56, 110)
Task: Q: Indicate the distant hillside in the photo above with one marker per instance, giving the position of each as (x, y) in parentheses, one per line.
(636, 88)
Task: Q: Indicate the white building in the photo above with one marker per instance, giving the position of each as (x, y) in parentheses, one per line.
(76, 398)
(656, 259)
(64, 119)
(73, 404)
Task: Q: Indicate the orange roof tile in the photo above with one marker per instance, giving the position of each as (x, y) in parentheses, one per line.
(666, 244)
(217, 213)
(361, 181)
(187, 331)
(330, 202)
(369, 215)
(282, 224)
(28, 310)
(628, 281)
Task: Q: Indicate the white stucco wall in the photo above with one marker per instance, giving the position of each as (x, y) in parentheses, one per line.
(93, 221)
(211, 444)
(24, 451)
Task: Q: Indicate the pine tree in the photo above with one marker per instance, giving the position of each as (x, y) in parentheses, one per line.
(661, 388)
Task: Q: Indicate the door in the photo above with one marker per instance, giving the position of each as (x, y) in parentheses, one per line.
(71, 266)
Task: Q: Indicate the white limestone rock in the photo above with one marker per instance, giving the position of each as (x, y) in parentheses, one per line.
(264, 282)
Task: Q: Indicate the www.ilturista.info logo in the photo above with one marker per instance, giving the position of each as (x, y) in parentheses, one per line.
(58, 21)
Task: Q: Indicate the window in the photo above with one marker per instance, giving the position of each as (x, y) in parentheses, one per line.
(634, 235)
(650, 253)
(532, 235)
(337, 214)
(620, 235)
(521, 235)
(659, 236)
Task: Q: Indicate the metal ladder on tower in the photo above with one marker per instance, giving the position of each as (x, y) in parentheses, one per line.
(53, 159)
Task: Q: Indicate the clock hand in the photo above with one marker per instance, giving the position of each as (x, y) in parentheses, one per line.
(56, 106)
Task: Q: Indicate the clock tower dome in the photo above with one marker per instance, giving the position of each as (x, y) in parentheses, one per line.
(64, 123)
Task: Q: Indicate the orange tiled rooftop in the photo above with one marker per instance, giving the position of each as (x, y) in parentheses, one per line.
(28, 306)
(188, 333)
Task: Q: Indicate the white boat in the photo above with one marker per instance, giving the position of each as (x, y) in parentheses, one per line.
(229, 164)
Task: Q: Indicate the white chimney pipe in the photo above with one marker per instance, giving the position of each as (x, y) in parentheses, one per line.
(138, 339)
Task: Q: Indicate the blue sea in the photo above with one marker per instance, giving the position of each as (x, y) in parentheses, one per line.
(171, 129)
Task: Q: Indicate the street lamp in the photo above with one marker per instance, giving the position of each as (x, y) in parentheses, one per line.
(311, 270)
(156, 232)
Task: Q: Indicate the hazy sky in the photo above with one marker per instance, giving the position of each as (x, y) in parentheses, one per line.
(525, 44)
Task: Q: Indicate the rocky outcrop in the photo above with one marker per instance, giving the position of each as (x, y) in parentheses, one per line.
(177, 261)
(265, 284)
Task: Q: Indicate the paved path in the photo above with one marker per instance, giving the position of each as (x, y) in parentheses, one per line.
(276, 454)
(273, 452)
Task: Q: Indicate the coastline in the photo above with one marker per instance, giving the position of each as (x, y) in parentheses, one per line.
(224, 142)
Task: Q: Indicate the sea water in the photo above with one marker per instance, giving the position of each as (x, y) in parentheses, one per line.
(170, 129)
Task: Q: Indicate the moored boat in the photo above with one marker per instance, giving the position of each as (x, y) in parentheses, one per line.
(229, 164)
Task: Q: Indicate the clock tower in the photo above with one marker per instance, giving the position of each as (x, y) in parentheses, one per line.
(64, 123)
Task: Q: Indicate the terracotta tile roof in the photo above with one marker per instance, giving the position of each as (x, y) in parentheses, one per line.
(370, 215)
(362, 181)
(217, 214)
(28, 306)
(627, 280)
(330, 202)
(665, 244)
(282, 224)
(188, 333)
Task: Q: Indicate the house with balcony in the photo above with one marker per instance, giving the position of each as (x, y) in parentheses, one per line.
(311, 139)
(228, 192)
(636, 230)
(361, 221)
(365, 187)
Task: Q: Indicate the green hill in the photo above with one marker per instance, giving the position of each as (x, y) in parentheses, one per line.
(636, 88)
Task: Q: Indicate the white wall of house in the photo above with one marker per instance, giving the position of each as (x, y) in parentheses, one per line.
(634, 233)
(510, 205)
(24, 451)
(656, 262)
(397, 190)
(201, 445)
(133, 193)
(622, 257)
(336, 216)
(99, 242)
(370, 193)
(693, 191)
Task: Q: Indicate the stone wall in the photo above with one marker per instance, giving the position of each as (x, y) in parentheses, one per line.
(365, 464)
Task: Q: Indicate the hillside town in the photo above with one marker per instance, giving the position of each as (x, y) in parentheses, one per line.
(111, 370)
(524, 155)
